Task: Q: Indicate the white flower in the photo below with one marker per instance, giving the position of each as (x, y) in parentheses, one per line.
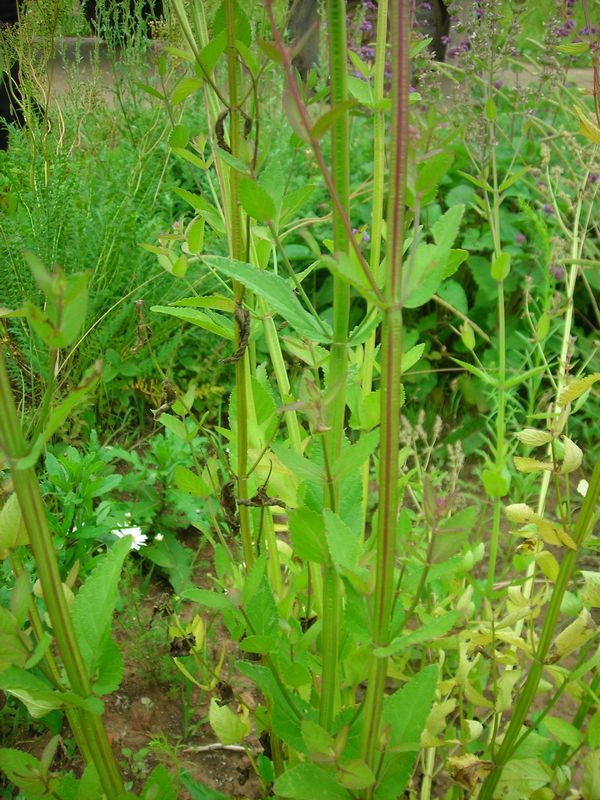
(159, 537)
(139, 538)
(582, 487)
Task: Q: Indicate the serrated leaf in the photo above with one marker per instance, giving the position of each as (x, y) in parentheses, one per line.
(316, 738)
(256, 202)
(410, 358)
(214, 323)
(576, 388)
(356, 775)
(185, 88)
(307, 529)
(94, 604)
(274, 290)
(190, 483)
(179, 136)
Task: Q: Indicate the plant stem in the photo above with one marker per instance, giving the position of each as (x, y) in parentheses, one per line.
(332, 444)
(391, 382)
(377, 207)
(36, 523)
(236, 250)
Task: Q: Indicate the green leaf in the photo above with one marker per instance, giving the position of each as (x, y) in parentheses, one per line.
(94, 604)
(307, 529)
(271, 51)
(431, 171)
(256, 202)
(406, 712)
(185, 88)
(496, 483)
(345, 548)
(431, 630)
(159, 785)
(179, 136)
(324, 123)
(215, 323)
(243, 31)
(356, 775)
(501, 266)
(205, 597)
(13, 532)
(360, 90)
(24, 771)
(274, 290)
(410, 358)
(430, 261)
(12, 649)
(316, 738)
(110, 666)
(452, 533)
(189, 482)
(210, 53)
(175, 559)
(479, 373)
(307, 781)
(354, 456)
(229, 728)
(511, 179)
(491, 112)
(149, 90)
(563, 731)
(235, 163)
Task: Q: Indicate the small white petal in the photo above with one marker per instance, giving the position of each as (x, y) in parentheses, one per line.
(582, 487)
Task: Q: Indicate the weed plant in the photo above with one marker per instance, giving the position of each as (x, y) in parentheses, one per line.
(413, 624)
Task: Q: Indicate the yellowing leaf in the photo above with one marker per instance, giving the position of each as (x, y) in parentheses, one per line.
(574, 636)
(586, 127)
(572, 458)
(12, 527)
(468, 770)
(548, 564)
(533, 437)
(436, 722)
(229, 728)
(531, 464)
(591, 589)
(576, 388)
(519, 513)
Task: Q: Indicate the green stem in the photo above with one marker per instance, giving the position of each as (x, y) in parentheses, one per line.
(391, 383)
(236, 250)
(332, 599)
(494, 222)
(36, 523)
(527, 694)
(379, 118)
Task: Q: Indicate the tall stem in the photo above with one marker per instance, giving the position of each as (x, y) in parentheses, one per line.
(332, 610)
(236, 250)
(36, 523)
(391, 378)
(377, 201)
(494, 221)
